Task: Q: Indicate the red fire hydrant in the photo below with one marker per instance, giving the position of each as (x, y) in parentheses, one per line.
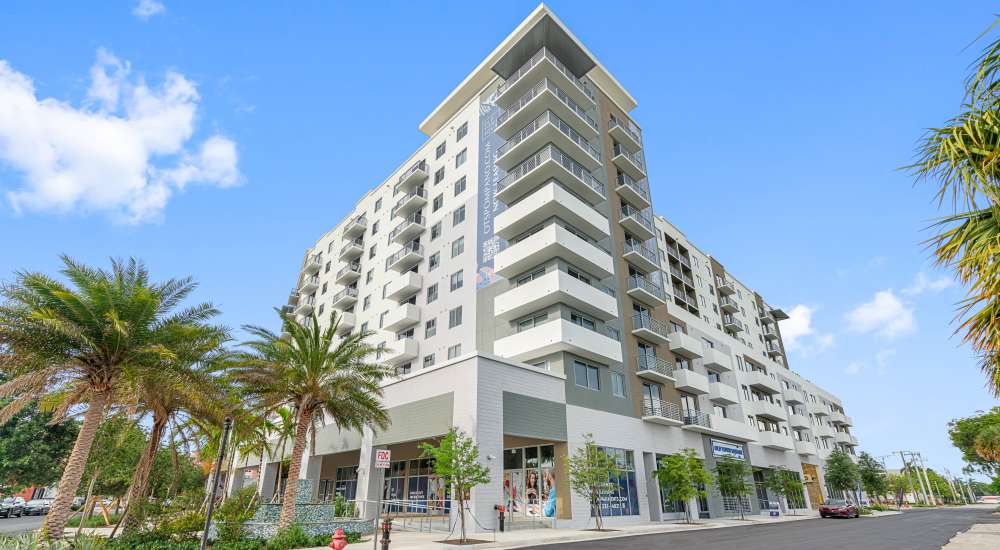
(339, 541)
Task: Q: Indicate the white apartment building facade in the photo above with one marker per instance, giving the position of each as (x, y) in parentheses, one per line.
(518, 282)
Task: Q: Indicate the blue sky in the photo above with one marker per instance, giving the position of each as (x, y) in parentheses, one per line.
(238, 137)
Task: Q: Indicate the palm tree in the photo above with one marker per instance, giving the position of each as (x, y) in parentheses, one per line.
(317, 375)
(183, 386)
(76, 346)
(962, 159)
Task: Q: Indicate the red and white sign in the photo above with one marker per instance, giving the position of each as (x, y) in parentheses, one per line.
(382, 458)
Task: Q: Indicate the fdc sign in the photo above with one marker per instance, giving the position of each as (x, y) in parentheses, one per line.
(382, 458)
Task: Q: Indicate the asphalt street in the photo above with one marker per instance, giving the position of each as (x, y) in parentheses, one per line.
(13, 526)
(913, 530)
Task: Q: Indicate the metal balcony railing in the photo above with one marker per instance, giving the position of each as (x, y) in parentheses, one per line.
(661, 408)
(415, 218)
(641, 187)
(354, 267)
(548, 117)
(628, 127)
(642, 249)
(408, 248)
(539, 56)
(642, 283)
(546, 84)
(697, 418)
(551, 152)
(634, 158)
(345, 293)
(643, 217)
(646, 362)
(646, 321)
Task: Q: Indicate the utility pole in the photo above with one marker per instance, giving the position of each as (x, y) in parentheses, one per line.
(934, 497)
(951, 484)
(909, 479)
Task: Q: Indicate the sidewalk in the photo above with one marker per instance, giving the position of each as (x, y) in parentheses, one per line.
(409, 540)
(981, 536)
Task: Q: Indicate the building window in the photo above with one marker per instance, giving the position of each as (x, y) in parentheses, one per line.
(456, 280)
(439, 152)
(321, 309)
(385, 290)
(460, 158)
(435, 231)
(617, 384)
(378, 204)
(323, 291)
(462, 130)
(586, 376)
(369, 276)
(366, 303)
(531, 322)
(438, 203)
(455, 317)
(381, 319)
(364, 327)
(428, 360)
(458, 216)
(327, 268)
(439, 175)
(434, 261)
(432, 293)
(457, 246)
(460, 186)
(430, 328)
(371, 252)
(454, 351)
(375, 227)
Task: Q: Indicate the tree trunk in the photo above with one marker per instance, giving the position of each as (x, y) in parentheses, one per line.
(59, 512)
(461, 513)
(597, 511)
(292, 485)
(140, 478)
(88, 506)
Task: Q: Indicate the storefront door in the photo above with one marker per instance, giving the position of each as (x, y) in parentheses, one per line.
(529, 481)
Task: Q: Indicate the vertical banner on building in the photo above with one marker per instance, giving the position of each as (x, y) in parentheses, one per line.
(487, 243)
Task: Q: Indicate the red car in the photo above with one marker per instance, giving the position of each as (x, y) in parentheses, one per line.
(836, 508)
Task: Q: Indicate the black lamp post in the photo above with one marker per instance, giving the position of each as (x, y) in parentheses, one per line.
(215, 480)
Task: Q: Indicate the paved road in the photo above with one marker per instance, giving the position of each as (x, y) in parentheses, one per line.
(13, 526)
(913, 530)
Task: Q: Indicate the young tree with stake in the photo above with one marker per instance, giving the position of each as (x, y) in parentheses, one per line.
(456, 460)
(590, 471)
(683, 478)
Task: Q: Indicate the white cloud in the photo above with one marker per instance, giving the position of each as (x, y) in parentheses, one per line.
(885, 314)
(144, 9)
(798, 333)
(124, 152)
(853, 368)
(922, 284)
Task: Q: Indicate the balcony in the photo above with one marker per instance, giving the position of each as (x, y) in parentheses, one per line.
(305, 305)
(798, 421)
(544, 65)
(413, 176)
(410, 202)
(625, 132)
(313, 264)
(775, 440)
(844, 438)
(406, 315)
(637, 222)
(547, 128)
(653, 368)
(653, 330)
(550, 242)
(727, 304)
(628, 162)
(545, 95)
(399, 351)
(348, 274)
(345, 298)
(840, 418)
(548, 163)
(818, 409)
(766, 409)
(773, 350)
(554, 287)
(717, 360)
(409, 229)
(634, 191)
(794, 397)
(762, 381)
(719, 392)
(404, 286)
(646, 291)
(352, 250)
(661, 412)
(726, 287)
(770, 332)
(557, 336)
(690, 381)
(713, 424)
(550, 200)
(685, 345)
(347, 323)
(309, 284)
(356, 227)
(641, 255)
(731, 323)
(807, 448)
(410, 255)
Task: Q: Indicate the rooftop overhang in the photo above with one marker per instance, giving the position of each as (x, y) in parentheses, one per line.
(779, 314)
(541, 28)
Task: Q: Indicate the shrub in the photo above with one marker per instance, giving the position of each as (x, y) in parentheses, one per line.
(291, 537)
(151, 540)
(244, 544)
(186, 523)
(324, 540)
(95, 520)
(877, 507)
(233, 512)
(342, 508)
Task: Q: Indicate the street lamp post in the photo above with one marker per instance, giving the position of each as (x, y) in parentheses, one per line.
(215, 480)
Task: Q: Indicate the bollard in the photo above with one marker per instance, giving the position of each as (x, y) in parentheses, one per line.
(386, 527)
(339, 541)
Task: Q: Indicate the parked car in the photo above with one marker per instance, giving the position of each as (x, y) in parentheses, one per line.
(12, 507)
(838, 508)
(77, 503)
(37, 507)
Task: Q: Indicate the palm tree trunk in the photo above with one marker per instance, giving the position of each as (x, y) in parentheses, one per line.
(292, 485)
(59, 512)
(140, 478)
(88, 506)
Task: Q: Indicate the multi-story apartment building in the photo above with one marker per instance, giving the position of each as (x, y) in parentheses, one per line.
(518, 282)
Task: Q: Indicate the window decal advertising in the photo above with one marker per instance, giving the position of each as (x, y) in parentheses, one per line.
(529, 481)
(620, 497)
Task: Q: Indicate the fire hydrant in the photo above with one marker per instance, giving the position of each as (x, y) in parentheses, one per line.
(339, 541)
(501, 509)
(386, 527)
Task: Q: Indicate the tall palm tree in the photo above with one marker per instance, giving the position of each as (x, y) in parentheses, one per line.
(317, 375)
(74, 346)
(962, 159)
(183, 386)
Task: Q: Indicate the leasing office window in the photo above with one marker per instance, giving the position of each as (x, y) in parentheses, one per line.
(586, 376)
